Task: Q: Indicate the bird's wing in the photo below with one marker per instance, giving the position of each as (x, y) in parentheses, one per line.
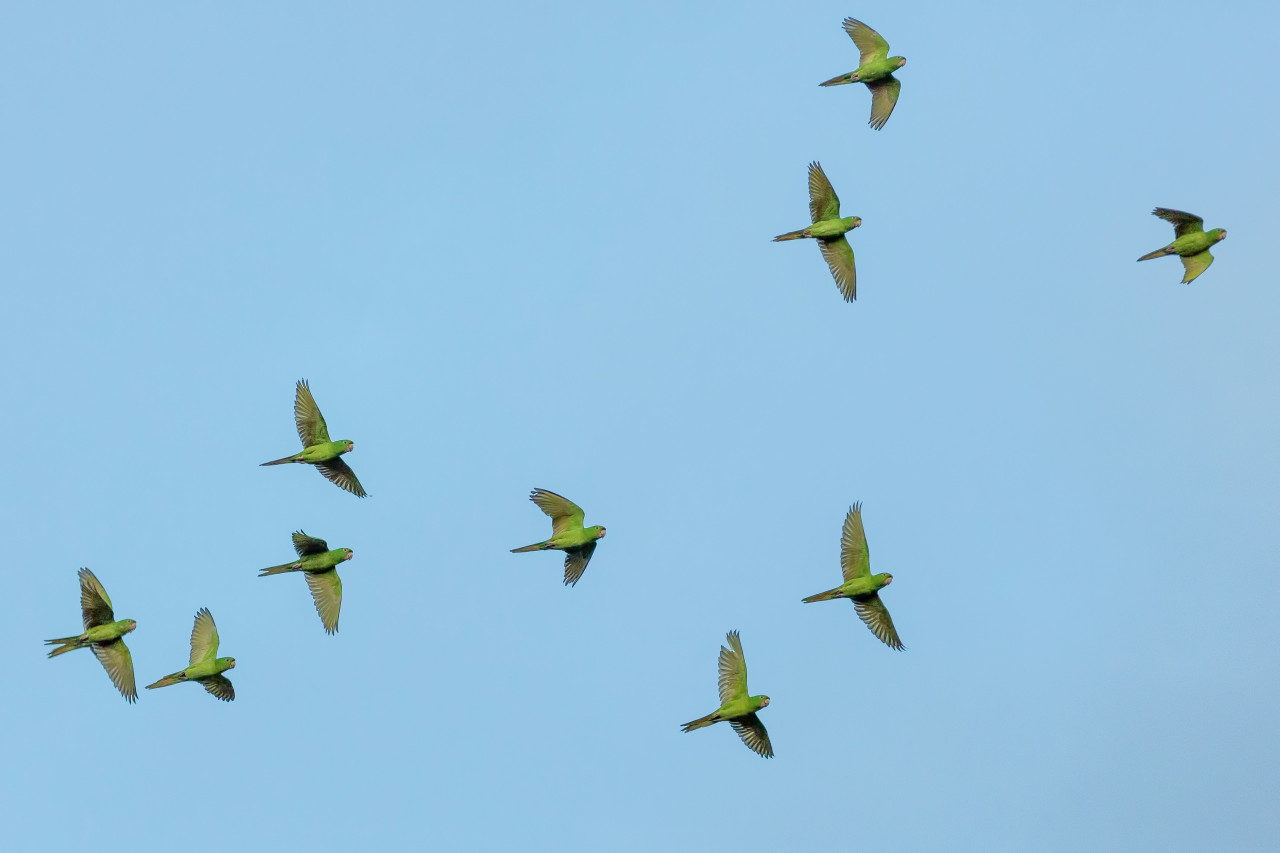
(306, 414)
(884, 97)
(854, 561)
(326, 590)
(340, 474)
(875, 615)
(220, 686)
(1195, 264)
(871, 45)
(753, 734)
(1183, 223)
(823, 201)
(575, 562)
(95, 605)
(565, 514)
(307, 545)
(204, 637)
(116, 660)
(733, 670)
(839, 257)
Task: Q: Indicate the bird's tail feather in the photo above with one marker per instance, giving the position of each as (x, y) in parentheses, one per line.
(701, 722)
(837, 81)
(67, 644)
(278, 461)
(536, 546)
(824, 596)
(277, 570)
(1158, 253)
(792, 235)
(167, 680)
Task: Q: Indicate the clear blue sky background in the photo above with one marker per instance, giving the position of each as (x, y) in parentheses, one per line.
(519, 246)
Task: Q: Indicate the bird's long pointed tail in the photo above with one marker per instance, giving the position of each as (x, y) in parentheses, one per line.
(536, 546)
(792, 235)
(701, 722)
(66, 644)
(824, 596)
(840, 80)
(278, 570)
(278, 461)
(167, 680)
(1158, 253)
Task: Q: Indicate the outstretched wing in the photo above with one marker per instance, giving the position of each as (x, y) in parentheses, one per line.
(306, 545)
(871, 45)
(326, 591)
(839, 257)
(884, 97)
(823, 201)
(220, 686)
(1183, 223)
(875, 615)
(733, 670)
(116, 660)
(95, 605)
(1195, 264)
(204, 637)
(306, 414)
(753, 734)
(575, 562)
(565, 514)
(340, 474)
(854, 561)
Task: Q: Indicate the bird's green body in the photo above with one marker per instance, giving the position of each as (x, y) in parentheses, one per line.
(829, 228)
(205, 666)
(860, 586)
(317, 448)
(737, 706)
(318, 561)
(1191, 243)
(875, 69)
(567, 534)
(103, 633)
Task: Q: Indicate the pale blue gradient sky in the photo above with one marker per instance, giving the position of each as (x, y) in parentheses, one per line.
(519, 246)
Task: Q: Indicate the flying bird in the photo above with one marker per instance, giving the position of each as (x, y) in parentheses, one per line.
(875, 69)
(103, 634)
(736, 704)
(205, 667)
(319, 563)
(317, 449)
(567, 534)
(860, 586)
(1191, 242)
(828, 229)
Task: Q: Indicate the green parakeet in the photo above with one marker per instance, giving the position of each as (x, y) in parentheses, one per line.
(875, 69)
(318, 562)
(317, 449)
(1191, 242)
(567, 534)
(205, 666)
(828, 229)
(103, 634)
(736, 704)
(860, 586)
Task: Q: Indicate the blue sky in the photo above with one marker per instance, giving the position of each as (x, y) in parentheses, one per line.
(530, 246)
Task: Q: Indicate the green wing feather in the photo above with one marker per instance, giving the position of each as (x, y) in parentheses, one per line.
(340, 474)
(884, 97)
(753, 734)
(565, 514)
(838, 254)
(871, 45)
(306, 414)
(307, 545)
(220, 686)
(854, 561)
(875, 615)
(1183, 223)
(575, 562)
(1195, 264)
(95, 605)
(204, 637)
(823, 201)
(116, 660)
(326, 591)
(733, 670)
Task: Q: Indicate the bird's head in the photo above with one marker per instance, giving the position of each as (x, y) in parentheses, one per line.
(599, 532)
(857, 221)
(351, 445)
(888, 579)
(764, 701)
(347, 554)
(130, 624)
(1219, 234)
(230, 662)
(902, 60)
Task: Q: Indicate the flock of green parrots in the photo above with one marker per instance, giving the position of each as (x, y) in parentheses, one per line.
(104, 634)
